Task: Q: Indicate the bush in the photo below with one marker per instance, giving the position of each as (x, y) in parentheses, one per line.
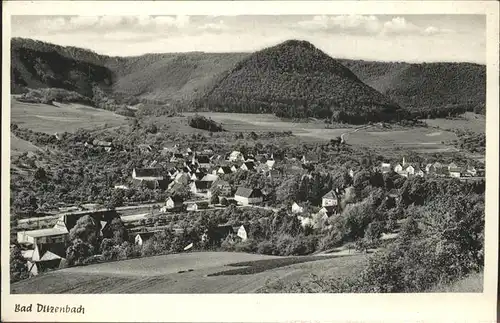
(200, 122)
(266, 248)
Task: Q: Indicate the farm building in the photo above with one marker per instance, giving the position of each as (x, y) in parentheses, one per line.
(147, 174)
(43, 236)
(248, 196)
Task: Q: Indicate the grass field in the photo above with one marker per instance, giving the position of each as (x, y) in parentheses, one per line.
(19, 146)
(420, 139)
(468, 121)
(62, 117)
(186, 273)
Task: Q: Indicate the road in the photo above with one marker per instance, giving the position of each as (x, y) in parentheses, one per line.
(345, 134)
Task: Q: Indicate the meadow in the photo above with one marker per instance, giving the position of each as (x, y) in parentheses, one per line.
(187, 273)
(62, 117)
(420, 139)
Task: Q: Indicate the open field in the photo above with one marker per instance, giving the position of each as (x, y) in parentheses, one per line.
(19, 146)
(420, 139)
(468, 121)
(187, 273)
(62, 117)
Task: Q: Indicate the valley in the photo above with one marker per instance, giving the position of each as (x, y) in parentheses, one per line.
(239, 172)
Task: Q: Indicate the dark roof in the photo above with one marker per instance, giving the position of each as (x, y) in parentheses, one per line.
(250, 164)
(58, 249)
(148, 172)
(248, 192)
(226, 169)
(203, 159)
(202, 184)
(330, 195)
(177, 198)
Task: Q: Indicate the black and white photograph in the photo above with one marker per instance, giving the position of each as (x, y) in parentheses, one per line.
(246, 154)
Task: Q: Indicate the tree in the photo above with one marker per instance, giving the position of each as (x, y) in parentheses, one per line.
(214, 199)
(117, 198)
(86, 231)
(78, 252)
(40, 174)
(18, 265)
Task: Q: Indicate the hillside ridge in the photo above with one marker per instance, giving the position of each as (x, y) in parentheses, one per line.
(187, 77)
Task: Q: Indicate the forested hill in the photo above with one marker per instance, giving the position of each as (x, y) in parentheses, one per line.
(424, 86)
(295, 79)
(151, 77)
(292, 72)
(35, 64)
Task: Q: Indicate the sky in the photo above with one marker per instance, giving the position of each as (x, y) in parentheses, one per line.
(410, 38)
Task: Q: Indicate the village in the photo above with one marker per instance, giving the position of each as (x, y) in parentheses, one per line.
(201, 174)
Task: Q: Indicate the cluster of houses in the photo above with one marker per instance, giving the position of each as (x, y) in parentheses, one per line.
(200, 172)
(409, 169)
(45, 249)
(330, 206)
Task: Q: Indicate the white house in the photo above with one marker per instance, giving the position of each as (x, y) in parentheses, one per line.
(194, 206)
(174, 202)
(236, 156)
(297, 208)
(241, 231)
(330, 198)
(141, 238)
(398, 168)
(410, 170)
(248, 196)
(224, 170)
(385, 168)
(454, 170)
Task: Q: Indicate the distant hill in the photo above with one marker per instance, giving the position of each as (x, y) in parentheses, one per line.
(295, 79)
(292, 74)
(426, 85)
